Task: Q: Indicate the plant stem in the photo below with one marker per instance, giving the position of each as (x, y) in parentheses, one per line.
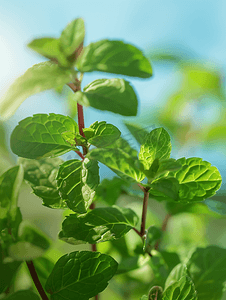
(144, 212)
(36, 281)
(164, 225)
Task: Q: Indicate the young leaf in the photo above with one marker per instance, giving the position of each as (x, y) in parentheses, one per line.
(104, 134)
(77, 182)
(98, 225)
(40, 136)
(10, 183)
(207, 269)
(41, 175)
(155, 293)
(80, 275)
(39, 78)
(114, 95)
(118, 161)
(137, 131)
(114, 57)
(175, 275)
(50, 48)
(157, 145)
(182, 289)
(23, 295)
(165, 189)
(197, 178)
(72, 36)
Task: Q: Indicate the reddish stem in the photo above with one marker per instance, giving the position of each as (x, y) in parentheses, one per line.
(144, 212)
(80, 154)
(35, 278)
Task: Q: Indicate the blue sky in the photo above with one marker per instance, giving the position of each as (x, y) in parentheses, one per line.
(196, 25)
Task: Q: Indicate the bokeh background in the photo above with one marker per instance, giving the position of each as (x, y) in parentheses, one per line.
(185, 41)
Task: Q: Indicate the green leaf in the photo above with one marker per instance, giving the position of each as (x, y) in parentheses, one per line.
(207, 269)
(144, 297)
(152, 235)
(30, 233)
(114, 95)
(118, 161)
(123, 145)
(77, 182)
(39, 78)
(114, 57)
(23, 295)
(197, 178)
(137, 131)
(109, 190)
(175, 275)
(50, 48)
(104, 134)
(41, 175)
(183, 289)
(165, 189)
(157, 145)
(72, 36)
(170, 164)
(131, 263)
(43, 267)
(80, 275)
(98, 225)
(155, 293)
(40, 136)
(216, 206)
(10, 183)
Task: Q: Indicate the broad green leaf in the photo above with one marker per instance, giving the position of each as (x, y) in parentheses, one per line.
(165, 189)
(77, 182)
(137, 131)
(40, 136)
(207, 269)
(23, 295)
(157, 145)
(39, 78)
(198, 180)
(30, 233)
(216, 206)
(41, 175)
(118, 161)
(43, 267)
(50, 48)
(114, 95)
(175, 275)
(152, 235)
(170, 164)
(104, 134)
(98, 225)
(109, 190)
(23, 250)
(10, 183)
(155, 293)
(72, 36)
(80, 275)
(123, 145)
(114, 57)
(183, 289)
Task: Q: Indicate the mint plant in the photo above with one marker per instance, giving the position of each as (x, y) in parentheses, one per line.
(74, 184)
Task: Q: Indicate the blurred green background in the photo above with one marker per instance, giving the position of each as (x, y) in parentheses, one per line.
(185, 43)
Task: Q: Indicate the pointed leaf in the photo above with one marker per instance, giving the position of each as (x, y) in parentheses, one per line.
(23, 295)
(98, 225)
(72, 36)
(80, 275)
(118, 161)
(41, 175)
(114, 57)
(157, 145)
(40, 77)
(77, 182)
(40, 136)
(207, 269)
(114, 95)
(137, 131)
(10, 183)
(50, 48)
(104, 134)
(197, 178)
